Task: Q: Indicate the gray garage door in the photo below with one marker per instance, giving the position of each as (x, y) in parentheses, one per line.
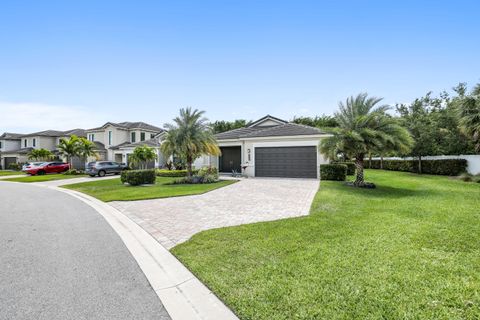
(288, 162)
(8, 161)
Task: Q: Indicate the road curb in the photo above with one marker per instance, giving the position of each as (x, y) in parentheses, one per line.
(182, 294)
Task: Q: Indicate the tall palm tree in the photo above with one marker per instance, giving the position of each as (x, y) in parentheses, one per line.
(189, 137)
(469, 110)
(86, 148)
(142, 155)
(40, 154)
(69, 148)
(363, 127)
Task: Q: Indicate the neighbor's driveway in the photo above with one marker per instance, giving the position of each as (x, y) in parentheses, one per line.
(175, 220)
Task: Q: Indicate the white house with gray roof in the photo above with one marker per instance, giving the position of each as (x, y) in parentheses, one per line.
(270, 147)
(18, 146)
(115, 141)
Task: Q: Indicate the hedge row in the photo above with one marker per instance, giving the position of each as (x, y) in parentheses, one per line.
(446, 167)
(337, 172)
(350, 167)
(173, 173)
(138, 177)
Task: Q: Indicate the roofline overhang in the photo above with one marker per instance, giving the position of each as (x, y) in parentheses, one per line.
(322, 135)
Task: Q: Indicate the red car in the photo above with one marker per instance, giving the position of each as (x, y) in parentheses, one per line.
(48, 167)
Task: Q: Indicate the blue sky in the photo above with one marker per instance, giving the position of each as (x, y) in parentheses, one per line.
(70, 64)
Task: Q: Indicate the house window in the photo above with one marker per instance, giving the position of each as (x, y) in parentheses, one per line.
(142, 136)
(152, 135)
(133, 137)
(25, 143)
(110, 137)
(91, 137)
(1, 146)
(34, 142)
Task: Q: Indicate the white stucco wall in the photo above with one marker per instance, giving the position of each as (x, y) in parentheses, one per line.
(9, 145)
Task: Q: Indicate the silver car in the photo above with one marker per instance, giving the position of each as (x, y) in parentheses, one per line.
(101, 168)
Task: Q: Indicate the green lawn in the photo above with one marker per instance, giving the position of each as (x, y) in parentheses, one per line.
(47, 177)
(10, 173)
(111, 190)
(409, 249)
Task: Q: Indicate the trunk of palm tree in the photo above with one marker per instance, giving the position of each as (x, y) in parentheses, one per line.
(359, 179)
(381, 161)
(189, 166)
(370, 160)
(420, 164)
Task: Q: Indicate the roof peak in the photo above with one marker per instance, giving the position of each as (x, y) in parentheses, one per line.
(265, 119)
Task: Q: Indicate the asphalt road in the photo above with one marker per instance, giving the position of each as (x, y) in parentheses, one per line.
(59, 259)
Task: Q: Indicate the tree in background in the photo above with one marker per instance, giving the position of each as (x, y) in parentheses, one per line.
(322, 121)
(69, 148)
(189, 137)
(469, 112)
(363, 126)
(142, 155)
(40, 155)
(434, 124)
(223, 126)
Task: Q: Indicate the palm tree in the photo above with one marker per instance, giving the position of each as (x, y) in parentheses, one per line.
(40, 154)
(364, 127)
(86, 148)
(69, 148)
(142, 155)
(190, 137)
(469, 110)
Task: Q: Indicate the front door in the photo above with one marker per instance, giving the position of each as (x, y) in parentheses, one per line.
(230, 159)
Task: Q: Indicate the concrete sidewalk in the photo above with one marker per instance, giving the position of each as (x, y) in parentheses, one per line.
(58, 183)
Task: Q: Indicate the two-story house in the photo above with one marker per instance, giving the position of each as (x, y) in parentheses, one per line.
(47, 139)
(8, 142)
(115, 141)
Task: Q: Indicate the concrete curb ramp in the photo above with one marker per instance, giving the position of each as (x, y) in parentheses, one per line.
(182, 294)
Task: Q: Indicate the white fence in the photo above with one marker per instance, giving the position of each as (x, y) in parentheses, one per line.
(473, 161)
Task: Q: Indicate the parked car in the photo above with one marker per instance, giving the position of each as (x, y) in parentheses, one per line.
(30, 165)
(101, 168)
(48, 167)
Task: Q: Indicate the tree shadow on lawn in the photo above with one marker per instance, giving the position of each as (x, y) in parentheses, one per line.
(389, 192)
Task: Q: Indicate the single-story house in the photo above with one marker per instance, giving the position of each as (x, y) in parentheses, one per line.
(269, 147)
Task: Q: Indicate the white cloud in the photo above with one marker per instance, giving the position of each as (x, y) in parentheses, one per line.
(30, 116)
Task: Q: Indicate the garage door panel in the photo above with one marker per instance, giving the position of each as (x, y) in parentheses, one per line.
(290, 162)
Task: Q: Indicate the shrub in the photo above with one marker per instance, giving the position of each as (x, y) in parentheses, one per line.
(447, 167)
(15, 166)
(138, 177)
(337, 172)
(173, 173)
(74, 172)
(350, 167)
(204, 175)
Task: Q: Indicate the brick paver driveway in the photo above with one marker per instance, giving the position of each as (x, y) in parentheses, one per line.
(175, 220)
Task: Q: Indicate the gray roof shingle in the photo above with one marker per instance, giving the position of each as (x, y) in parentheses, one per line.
(131, 125)
(287, 129)
(56, 133)
(11, 136)
(151, 143)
